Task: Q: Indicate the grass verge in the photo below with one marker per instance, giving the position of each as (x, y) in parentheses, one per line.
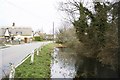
(41, 66)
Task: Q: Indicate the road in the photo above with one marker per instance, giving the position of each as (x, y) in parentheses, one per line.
(15, 54)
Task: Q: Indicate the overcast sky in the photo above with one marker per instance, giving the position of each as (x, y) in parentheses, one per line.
(39, 14)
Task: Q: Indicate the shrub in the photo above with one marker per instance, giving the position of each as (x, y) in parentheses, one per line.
(67, 36)
(38, 38)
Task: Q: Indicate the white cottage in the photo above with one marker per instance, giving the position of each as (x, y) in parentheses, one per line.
(16, 31)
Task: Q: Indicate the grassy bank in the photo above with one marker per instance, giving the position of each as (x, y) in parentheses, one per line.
(41, 66)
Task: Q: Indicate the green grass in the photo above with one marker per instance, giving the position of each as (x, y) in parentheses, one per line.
(41, 66)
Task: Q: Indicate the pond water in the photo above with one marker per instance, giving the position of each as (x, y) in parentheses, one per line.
(63, 63)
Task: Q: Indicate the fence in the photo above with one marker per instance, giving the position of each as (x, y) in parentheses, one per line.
(12, 71)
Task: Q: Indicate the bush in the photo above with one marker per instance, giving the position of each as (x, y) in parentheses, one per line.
(68, 37)
(38, 38)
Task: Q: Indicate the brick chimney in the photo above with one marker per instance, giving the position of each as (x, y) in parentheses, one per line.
(13, 24)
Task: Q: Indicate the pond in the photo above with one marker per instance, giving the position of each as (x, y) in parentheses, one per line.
(63, 63)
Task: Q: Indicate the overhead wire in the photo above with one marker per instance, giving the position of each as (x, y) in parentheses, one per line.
(23, 9)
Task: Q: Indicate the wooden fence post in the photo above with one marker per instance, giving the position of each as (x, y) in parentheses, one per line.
(32, 57)
(12, 72)
(40, 49)
(37, 51)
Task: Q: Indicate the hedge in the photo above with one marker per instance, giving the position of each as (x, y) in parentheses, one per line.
(38, 38)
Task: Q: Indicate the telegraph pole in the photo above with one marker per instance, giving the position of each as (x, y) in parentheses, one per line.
(53, 32)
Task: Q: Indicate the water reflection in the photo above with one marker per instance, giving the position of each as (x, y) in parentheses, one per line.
(63, 63)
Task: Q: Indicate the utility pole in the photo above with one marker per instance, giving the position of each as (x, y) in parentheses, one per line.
(53, 32)
(118, 54)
